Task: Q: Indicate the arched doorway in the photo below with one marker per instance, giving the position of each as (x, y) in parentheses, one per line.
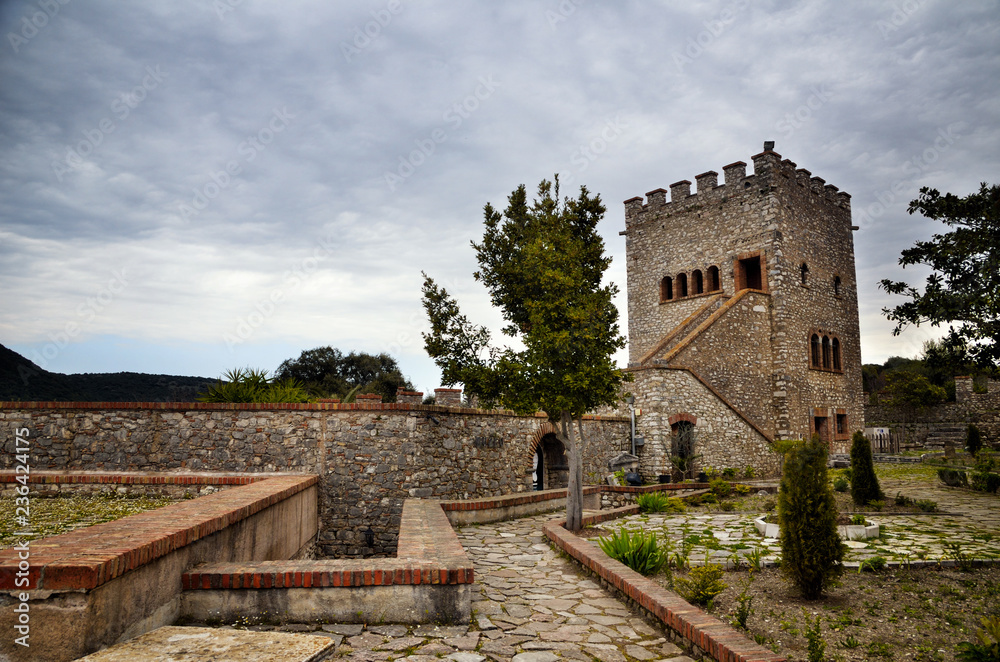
(551, 466)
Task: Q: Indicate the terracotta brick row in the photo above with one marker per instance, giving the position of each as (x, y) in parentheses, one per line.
(719, 640)
(89, 557)
(76, 478)
(308, 406)
(434, 555)
(323, 574)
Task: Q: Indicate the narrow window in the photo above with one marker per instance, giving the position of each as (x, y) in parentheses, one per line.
(804, 270)
(666, 289)
(750, 274)
(827, 363)
(682, 285)
(713, 279)
(836, 286)
(841, 425)
(814, 357)
(836, 353)
(697, 284)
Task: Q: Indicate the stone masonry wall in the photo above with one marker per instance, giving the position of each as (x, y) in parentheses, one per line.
(370, 457)
(736, 352)
(982, 409)
(723, 438)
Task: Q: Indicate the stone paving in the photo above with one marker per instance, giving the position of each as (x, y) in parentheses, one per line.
(533, 605)
(970, 519)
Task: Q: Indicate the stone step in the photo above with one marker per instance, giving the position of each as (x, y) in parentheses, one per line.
(190, 644)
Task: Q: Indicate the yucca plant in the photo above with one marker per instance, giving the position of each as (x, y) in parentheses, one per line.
(658, 502)
(638, 551)
(253, 385)
(988, 650)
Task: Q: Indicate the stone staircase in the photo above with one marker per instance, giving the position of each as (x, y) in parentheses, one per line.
(682, 331)
(939, 437)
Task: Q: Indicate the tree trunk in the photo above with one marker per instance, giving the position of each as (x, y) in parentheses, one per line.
(574, 490)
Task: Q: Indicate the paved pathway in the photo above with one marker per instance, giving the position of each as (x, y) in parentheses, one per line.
(972, 521)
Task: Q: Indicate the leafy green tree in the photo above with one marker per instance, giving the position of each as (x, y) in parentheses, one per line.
(864, 482)
(909, 393)
(327, 371)
(973, 439)
(811, 551)
(252, 385)
(963, 289)
(542, 264)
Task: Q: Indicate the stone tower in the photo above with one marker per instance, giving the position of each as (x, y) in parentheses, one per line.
(743, 316)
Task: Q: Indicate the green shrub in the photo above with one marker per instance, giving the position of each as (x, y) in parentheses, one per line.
(864, 482)
(983, 478)
(840, 484)
(709, 498)
(874, 564)
(816, 645)
(926, 505)
(658, 502)
(858, 520)
(749, 473)
(973, 439)
(620, 477)
(811, 550)
(729, 472)
(638, 551)
(877, 505)
(743, 490)
(744, 604)
(953, 478)
(702, 584)
(720, 487)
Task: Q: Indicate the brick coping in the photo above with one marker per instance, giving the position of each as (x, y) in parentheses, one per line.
(718, 640)
(433, 555)
(71, 477)
(89, 557)
(295, 406)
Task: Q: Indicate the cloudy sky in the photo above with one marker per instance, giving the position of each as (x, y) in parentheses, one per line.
(192, 186)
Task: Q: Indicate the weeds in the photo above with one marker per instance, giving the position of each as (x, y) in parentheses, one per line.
(813, 635)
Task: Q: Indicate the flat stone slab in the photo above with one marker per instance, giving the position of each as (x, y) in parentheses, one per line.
(189, 644)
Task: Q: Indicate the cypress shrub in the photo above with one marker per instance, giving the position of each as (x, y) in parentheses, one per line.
(811, 550)
(864, 482)
(973, 441)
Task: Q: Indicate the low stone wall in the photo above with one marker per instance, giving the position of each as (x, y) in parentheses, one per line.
(370, 457)
(483, 511)
(93, 587)
(430, 584)
(688, 625)
(618, 496)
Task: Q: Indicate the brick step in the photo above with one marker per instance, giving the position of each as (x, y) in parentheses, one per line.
(192, 644)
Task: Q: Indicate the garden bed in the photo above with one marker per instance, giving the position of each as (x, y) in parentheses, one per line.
(919, 614)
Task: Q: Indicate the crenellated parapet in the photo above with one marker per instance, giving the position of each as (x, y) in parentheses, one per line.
(770, 172)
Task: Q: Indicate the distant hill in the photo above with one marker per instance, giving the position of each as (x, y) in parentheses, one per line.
(20, 379)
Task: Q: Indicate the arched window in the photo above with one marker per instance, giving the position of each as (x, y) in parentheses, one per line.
(836, 286)
(827, 360)
(804, 271)
(713, 279)
(836, 354)
(814, 354)
(697, 284)
(682, 285)
(666, 289)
